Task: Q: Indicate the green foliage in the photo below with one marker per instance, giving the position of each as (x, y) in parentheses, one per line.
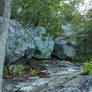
(70, 12)
(19, 69)
(39, 13)
(16, 69)
(88, 67)
(82, 25)
(34, 63)
(84, 38)
(33, 72)
(6, 71)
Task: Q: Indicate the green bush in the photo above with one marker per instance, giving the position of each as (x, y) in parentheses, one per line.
(33, 72)
(19, 69)
(16, 69)
(88, 67)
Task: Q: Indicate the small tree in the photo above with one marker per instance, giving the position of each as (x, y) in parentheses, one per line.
(3, 36)
(43, 13)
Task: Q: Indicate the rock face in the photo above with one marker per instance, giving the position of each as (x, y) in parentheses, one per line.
(79, 84)
(25, 44)
(43, 45)
(64, 49)
(64, 77)
(19, 43)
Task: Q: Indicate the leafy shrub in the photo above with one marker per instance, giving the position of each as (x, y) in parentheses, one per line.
(18, 70)
(34, 63)
(33, 72)
(88, 67)
(13, 69)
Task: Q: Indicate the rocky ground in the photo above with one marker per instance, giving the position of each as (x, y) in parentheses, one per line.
(63, 77)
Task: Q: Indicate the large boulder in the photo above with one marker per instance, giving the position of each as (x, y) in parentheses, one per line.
(64, 49)
(44, 45)
(19, 43)
(22, 44)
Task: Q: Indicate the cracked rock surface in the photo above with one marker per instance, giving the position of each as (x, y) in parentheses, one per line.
(64, 77)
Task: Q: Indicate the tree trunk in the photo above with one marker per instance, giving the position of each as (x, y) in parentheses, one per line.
(3, 37)
(1, 7)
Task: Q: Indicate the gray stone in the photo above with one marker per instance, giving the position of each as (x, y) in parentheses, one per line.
(79, 84)
(57, 67)
(44, 45)
(22, 44)
(19, 43)
(64, 49)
